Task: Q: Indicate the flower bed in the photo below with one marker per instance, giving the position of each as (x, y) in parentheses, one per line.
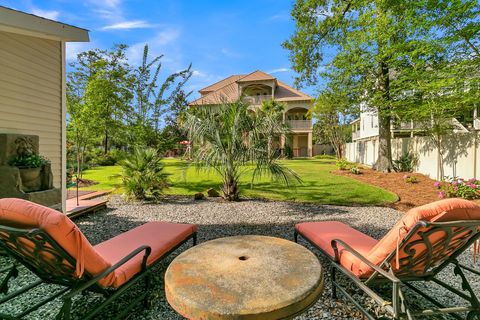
(454, 187)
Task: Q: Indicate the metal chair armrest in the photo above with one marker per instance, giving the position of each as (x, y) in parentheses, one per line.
(101, 275)
(346, 247)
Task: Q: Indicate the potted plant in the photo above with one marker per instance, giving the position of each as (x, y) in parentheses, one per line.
(30, 167)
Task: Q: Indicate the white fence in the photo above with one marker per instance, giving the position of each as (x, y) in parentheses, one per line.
(461, 154)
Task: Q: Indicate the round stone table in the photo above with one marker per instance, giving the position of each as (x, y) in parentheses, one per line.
(244, 277)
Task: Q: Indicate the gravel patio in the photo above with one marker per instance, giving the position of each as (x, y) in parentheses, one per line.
(217, 218)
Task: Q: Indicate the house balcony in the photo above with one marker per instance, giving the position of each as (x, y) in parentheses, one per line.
(355, 135)
(258, 99)
(299, 124)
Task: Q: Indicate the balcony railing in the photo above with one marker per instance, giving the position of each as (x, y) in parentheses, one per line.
(257, 99)
(299, 124)
(355, 135)
(407, 125)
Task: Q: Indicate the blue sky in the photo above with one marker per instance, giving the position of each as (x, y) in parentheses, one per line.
(219, 38)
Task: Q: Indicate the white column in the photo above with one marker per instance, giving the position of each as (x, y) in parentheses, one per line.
(310, 144)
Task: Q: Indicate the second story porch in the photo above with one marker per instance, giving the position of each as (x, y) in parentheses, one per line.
(298, 119)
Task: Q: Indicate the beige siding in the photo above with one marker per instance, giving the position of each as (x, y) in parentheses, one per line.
(30, 92)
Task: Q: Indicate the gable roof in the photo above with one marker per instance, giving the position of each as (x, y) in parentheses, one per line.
(257, 75)
(226, 90)
(15, 21)
(221, 83)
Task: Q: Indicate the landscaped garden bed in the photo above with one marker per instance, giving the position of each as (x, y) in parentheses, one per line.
(413, 189)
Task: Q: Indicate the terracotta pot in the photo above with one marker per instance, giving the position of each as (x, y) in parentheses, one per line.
(31, 179)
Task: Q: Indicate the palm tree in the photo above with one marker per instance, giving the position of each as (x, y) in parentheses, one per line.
(229, 138)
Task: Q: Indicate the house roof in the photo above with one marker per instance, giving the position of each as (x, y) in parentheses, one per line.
(257, 75)
(221, 83)
(31, 25)
(226, 90)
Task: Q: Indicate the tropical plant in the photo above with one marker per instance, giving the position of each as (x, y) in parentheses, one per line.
(28, 161)
(406, 163)
(142, 174)
(229, 140)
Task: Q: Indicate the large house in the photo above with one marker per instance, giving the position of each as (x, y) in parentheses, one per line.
(257, 87)
(460, 156)
(365, 127)
(33, 100)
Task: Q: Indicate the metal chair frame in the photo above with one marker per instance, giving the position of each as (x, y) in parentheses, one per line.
(414, 267)
(42, 255)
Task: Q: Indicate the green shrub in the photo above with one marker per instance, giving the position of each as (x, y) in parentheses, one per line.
(29, 161)
(355, 170)
(118, 155)
(405, 163)
(410, 179)
(325, 156)
(143, 177)
(111, 158)
(342, 164)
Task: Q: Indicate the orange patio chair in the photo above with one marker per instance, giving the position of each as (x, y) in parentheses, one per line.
(424, 242)
(49, 244)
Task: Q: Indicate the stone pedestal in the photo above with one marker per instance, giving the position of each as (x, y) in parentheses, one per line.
(11, 186)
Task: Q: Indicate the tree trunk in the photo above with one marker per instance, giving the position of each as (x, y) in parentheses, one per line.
(439, 144)
(105, 146)
(230, 189)
(384, 160)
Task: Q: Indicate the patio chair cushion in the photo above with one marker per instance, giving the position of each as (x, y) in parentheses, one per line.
(322, 233)
(18, 213)
(439, 211)
(160, 236)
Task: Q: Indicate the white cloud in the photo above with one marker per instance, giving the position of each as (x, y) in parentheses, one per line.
(110, 10)
(162, 43)
(127, 25)
(74, 48)
(48, 14)
(278, 70)
(111, 3)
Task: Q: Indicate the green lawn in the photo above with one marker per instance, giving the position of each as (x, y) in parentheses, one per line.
(319, 185)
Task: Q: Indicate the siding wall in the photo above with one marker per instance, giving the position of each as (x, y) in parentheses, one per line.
(30, 93)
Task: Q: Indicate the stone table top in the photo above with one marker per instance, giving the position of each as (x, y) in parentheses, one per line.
(244, 277)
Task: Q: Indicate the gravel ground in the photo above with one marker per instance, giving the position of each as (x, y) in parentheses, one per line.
(220, 219)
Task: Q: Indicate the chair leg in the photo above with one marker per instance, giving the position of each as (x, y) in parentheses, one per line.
(295, 236)
(64, 313)
(12, 273)
(148, 284)
(333, 278)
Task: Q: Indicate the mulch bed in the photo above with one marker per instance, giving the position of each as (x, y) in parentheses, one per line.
(410, 194)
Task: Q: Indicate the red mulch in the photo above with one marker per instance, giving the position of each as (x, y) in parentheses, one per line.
(410, 194)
